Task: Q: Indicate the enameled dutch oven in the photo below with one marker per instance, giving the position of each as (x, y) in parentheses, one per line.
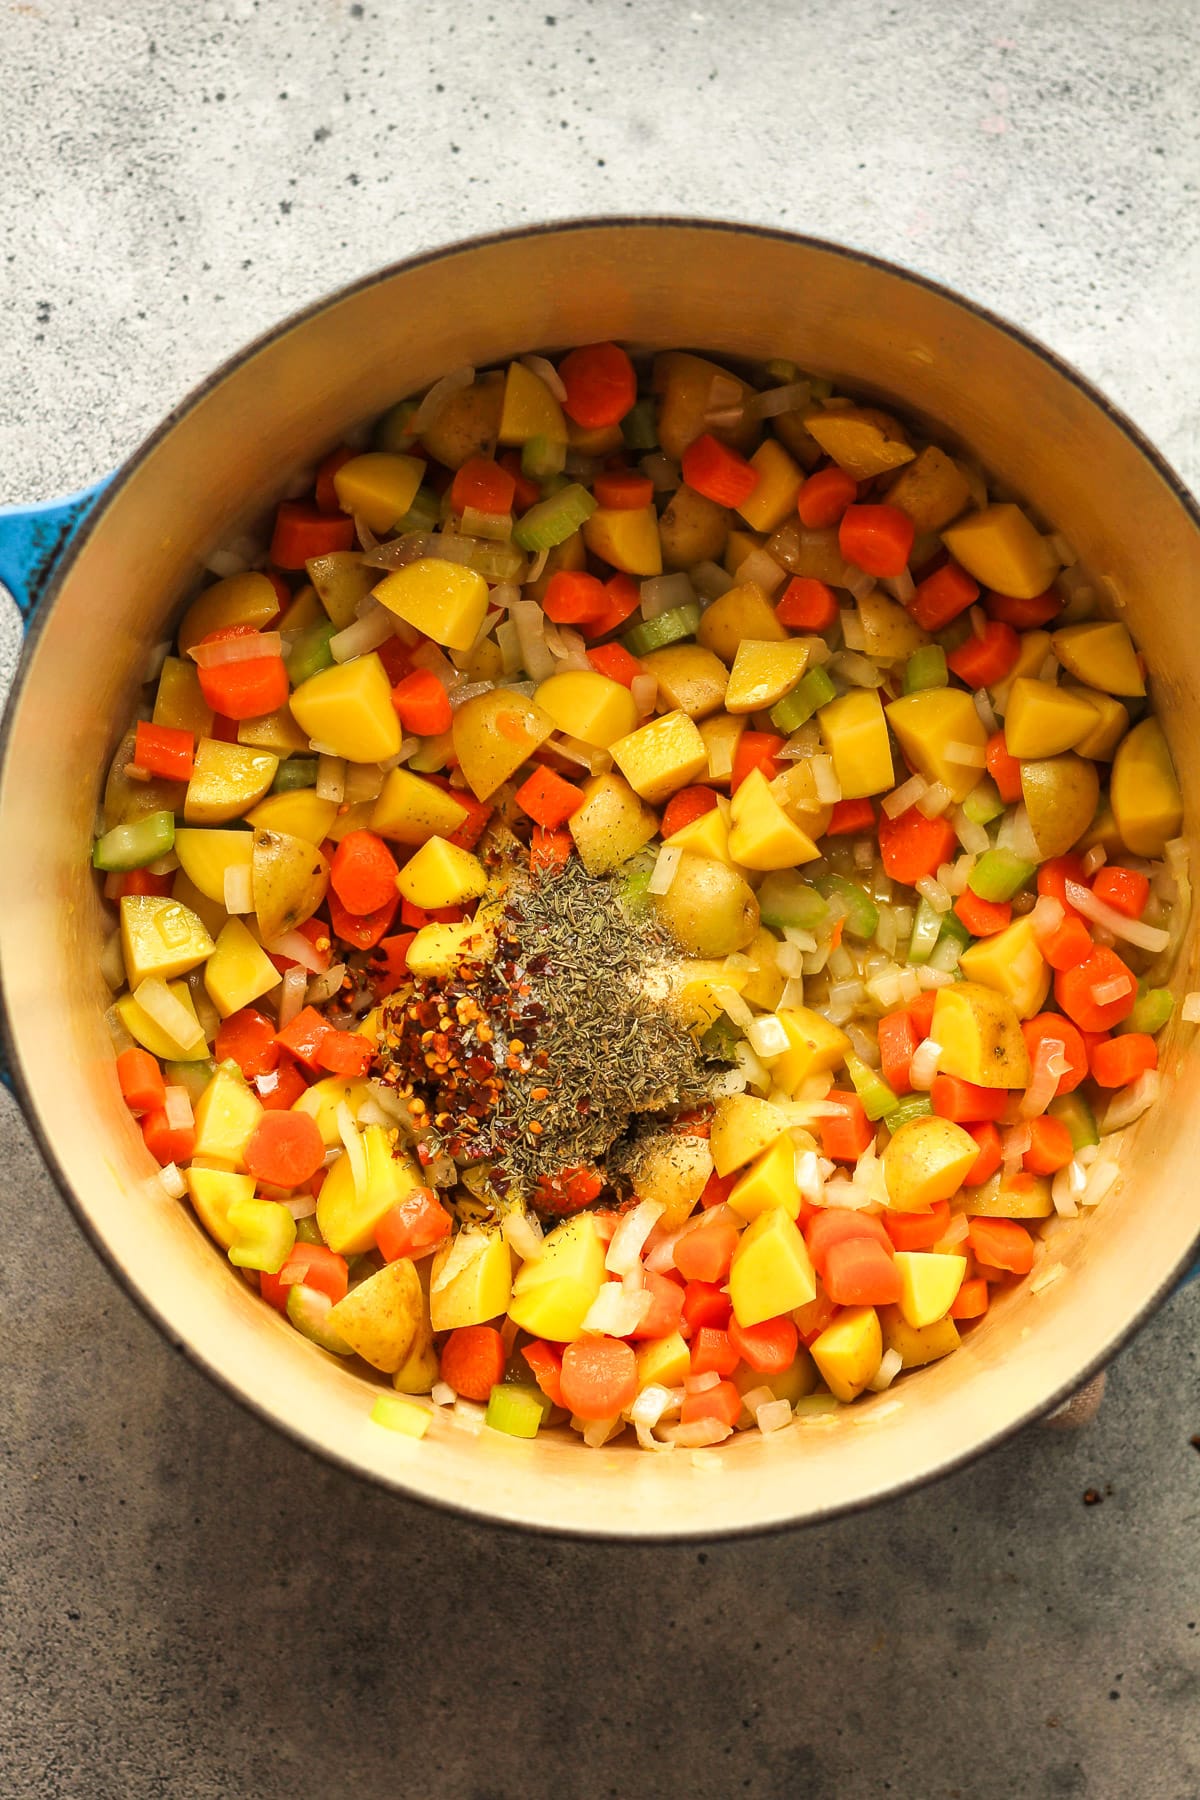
(122, 559)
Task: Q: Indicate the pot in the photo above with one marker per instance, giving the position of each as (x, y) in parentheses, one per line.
(134, 550)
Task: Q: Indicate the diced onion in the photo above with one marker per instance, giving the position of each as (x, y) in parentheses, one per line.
(760, 567)
(772, 1415)
(617, 1311)
(1067, 1189)
(986, 711)
(972, 836)
(1016, 834)
(710, 581)
(1105, 992)
(1129, 1103)
(703, 1383)
(772, 401)
(173, 1183)
(239, 888)
(767, 1037)
(246, 648)
(901, 587)
(924, 1065)
(828, 787)
(732, 1004)
(597, 1432)
(177, 1105)
(697, 1434)
(1046, 1276)
(331, 778)
(352, 1138)
(906, 795)
(223, 563)
(936, 800)
(442, 1394)
(793, 992)
(663, 593)
(1146, 937)
(890, 1366)
(1049, 1065)
(1046, 917)
(301, 1206)
(643, 690)
(859, 671)
(956, 1232)
(665, 869)
(660, 1253)
(628, 1240)
(860, 584)
(366, 634)
(1101, 1177)
(530, 622)
(967, 756)
(112, 962)
(291, 996)
(1015, 1143)
(934, 978)
(467, 1415)
(546, 371)
(436, 398)
(653, 1403)
(324, 986)
(750, 1066)
(298, 949)
(156, 999)
(789, 961)
(523, 1234)
(1189, 1012)
(935, 892)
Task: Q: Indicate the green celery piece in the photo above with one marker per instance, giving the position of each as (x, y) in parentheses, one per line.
(953, 927)
(877, 1097)
(668, 628)
(310, 653)
(295, 772)
(983, 804)
(392, 430)
(1151, 1010)
(927, 928)
(542, 457)
(913, 1106)
(515, 1409)
(998, 875)
(784, 899)
(782, 371)
(812, 691)
(135, 844)
(635, 889)
(862, 914)
(424, 513)
(946, 954)
(495, 527)
(822, 387)
(309, 1309)
(554, 520)
(816, 1406)
(639, 427)
(194, 1076)
(926, 668)
(721, 1040)
(308, 1231)
(1078, 1118)
(264, 1233)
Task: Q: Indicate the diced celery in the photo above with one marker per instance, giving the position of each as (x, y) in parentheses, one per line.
(998, 875)
(554, 520)
(264, 1233)
(784, 899)
(1078, 1118)
(813, 690)
(668, 628)
(953, 927)
(635, 888)
(309, 1309)
(720, 1041)
(946, 953)
(861, 913)
(913, 1106)
(816, 1406)
(396, 1412)
(639, 428)
(877, 1097)
(392, 431)
(1151, 1010)
(496, 527)
(516, 1410)
(822, 387)
(310, 652)
(925, 668)
(423, 514)
(542, 457)
(983, 803)
(308, 1231)
(134, 845)
(295, 772)
(927, 927)
(782, 371)
(194, 1076)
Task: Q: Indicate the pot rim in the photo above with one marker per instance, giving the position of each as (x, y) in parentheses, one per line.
(296, 1432)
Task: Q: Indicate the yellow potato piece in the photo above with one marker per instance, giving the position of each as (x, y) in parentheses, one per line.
(1060, 795)
(674, 1169)
(742, 1127)
(917, 1347)
(692, 530)
(979, 1031)
(1112, 722)
(179, 702)
(238, 971)
(380, 1318)
(1033, 649)
(815, 1047)
(212, 1193)
(765, 984)
(738, 546)
(227, 1113)
(300, 813)
(663, 1362)
(1146, 801)
(227, 779)
(304, 610)
(741, 612)
(552, 1295)
(697, 982)
(211, 913)
(763, 837)
(248, 599)
(706, 836)
(763, 672)
(466, 423)
(493, 734)
(277, 731)
(1017, 1196)
(160, 937)
(848, 1352)
(529, 409)
(855, 734)
(347, 1219)
(411, 811)
(1102, 655)
(445, 600)
(289, 879)
(769, 1182)
(626, 537)
(684, 385)
(709, 909)
(322, 1100)
(771, 1272)
(1044, 720)
(438, 949)
(612, 824)
(1012, 964)
(419, 1370)
(661, 757)
(690, 678)
(721, 734)
(151, 1035)
(348, 710)
(779, 478)
(589, 706)
(341, 581)
(926, 1161)
(441, 874)
(1003, 550)
(378, 487)
(928, 1285)
(930, 726)
(861, 439)
(204, 857)
(889, 634)
(931, 489)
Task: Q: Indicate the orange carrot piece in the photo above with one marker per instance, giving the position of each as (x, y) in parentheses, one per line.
(472, 1360)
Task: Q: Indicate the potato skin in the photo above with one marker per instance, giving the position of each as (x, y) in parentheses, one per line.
(709, 908)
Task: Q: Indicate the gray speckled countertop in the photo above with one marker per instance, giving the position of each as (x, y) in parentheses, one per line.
(189, 1606)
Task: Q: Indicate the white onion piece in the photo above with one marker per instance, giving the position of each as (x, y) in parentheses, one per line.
(299, 949)
(666, 867)
(772, 401)
(901, 587)
(1067, 1188)
(628, 1240)
(1189, 1012)
(597, 1432)
(246, 648)
(1146, 937)
(156, 999)
(177, 1105)
(859, 671)
(291, 997)
(470, 690)
(1015, 1143)
(1129, 1103)
(589, 756)
(654, 1403)
(967, 756)
(906, 795)
(956, 1232)
(355, 1149)
(301, 1206)
(1100, 1180)
(1053, 1272)
(860, 584)
(442, 1394)
(523, 1234)
(530, 621)
(760, 567)
(697, 1434)
(890, 1365)
(1049, 1065)
(1046, 917)
(772, 1415)
(436, 398)
(732, 1004)
(710, 581)
(112, 962)
(239, 888)
(331, 778)
(924, 1065)
(1105, 992)
(986, 711)
(546, 372)
(324, 986)
(935, 892)
(828, 787)
(663, 593)
(173, 1183)
(972, 836)
(936, 800)
(643, 691)
(366, 634)
(617, 1310)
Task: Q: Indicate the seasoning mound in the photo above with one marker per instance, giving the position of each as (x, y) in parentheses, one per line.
(549, 1042)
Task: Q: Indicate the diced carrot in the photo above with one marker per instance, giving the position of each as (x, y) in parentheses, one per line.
(824, 497)
(324, 492)
(319, 936)
(548, 799)
(601, 385)
(574, 597)
(965, 1103)
(982, 918)
(599, 1377)
(666, 1306)
(389, 963)
(920, 1011)
(1055, 1026)
(991, 1152)
(722, 1403)
(396, 657)
(877, 539)
(683, 808)
(769, 1348)
(285, 1149)
(755, 750)
(313, 1265)
(705, 1252)
(623, 489)
(304, 1035)
(362, 931)
(981, 661)
(1051, 1148)
(481, 483)
(718, 1188)
(472, 1360)
(1002, 1244)
(712, 1350)
(971, 1300)
(807, 604)
(918, 1231)
(549, 849)
(942, 596)
(1068, 945)
(141, 881)
(525, 491)
(164, 750)
(1075, 991)
(281, 1087)
(860, 1272)
(248, 1039)
(849, 816)
(414, 1225)
(142, 1086)
(223, 730)
(1125, 890)
(167, 1143)
(1122, 1059)
(1023, 615)
(244, 690)
(545, 1362)
(1003, 768)
(422, 704)
(705, 1303)
(912, 845)
(846, 1134)
(897, 1038)
(363, 873)
(615, 661)
(833, 1225)
(812, 1319)
(345, 1053)
(718, 472)
(1053, 875)
(623, 597)
(302, 531)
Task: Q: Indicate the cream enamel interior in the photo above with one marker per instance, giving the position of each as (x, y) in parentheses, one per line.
(729, 290)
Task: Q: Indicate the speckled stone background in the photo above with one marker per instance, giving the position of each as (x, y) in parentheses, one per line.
(192, 1609)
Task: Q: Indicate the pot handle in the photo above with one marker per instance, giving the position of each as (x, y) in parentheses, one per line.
(34, 538)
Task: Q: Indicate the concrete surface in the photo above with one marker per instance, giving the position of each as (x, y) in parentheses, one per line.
(192, 1608)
